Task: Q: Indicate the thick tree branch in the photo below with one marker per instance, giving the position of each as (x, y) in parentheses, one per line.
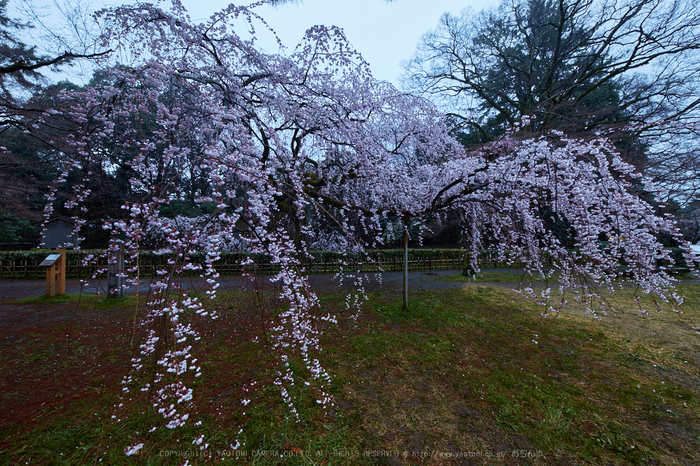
(66, 56)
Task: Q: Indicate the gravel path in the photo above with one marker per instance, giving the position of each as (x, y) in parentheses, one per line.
(389, 281)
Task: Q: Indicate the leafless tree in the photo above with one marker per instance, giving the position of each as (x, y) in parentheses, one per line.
(22, 65)
(580, 66)
(577, 63)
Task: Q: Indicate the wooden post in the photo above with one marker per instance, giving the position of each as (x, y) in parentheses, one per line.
(61, 272)
(51, 281)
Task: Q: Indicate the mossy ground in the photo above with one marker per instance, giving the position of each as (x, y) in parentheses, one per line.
(468, 375)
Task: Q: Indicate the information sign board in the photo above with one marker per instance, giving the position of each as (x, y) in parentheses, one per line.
(50, 260)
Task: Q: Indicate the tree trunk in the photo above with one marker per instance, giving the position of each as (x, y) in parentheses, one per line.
(467, 269)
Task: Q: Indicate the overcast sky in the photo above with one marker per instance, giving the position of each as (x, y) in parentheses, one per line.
(384, 33)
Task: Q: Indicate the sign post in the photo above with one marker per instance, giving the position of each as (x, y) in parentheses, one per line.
(55, 273)
(50, 279)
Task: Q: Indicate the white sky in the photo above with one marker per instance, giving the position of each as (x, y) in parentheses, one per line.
(384, 33)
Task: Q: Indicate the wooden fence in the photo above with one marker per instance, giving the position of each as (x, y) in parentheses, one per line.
(25, 265)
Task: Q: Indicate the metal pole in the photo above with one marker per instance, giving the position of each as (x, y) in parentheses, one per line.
(405, 267)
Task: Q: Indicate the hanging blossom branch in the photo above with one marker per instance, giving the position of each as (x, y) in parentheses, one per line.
(285, 151)
(242, 137)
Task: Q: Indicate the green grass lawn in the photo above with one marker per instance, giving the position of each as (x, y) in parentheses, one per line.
(470, 375)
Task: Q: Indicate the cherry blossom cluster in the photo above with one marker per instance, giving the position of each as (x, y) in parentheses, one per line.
(289, 153)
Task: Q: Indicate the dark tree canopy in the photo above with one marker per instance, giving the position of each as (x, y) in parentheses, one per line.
(575, 65)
